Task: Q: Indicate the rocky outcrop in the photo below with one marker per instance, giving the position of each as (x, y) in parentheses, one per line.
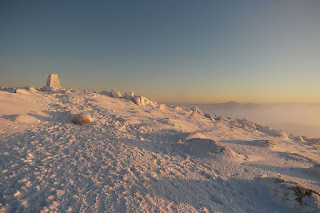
(116, 94)
(129, 96)
(81, 118)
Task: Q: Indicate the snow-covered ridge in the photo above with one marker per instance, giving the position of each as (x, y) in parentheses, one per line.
(137, 155)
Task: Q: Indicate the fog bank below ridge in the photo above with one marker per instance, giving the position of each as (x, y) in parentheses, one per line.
(299, 119)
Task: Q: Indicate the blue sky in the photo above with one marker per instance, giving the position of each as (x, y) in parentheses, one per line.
(171, 51)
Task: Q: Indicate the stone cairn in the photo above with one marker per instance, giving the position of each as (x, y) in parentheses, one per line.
(53, 83)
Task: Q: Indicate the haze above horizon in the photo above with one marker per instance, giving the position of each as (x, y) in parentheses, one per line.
(170, 51)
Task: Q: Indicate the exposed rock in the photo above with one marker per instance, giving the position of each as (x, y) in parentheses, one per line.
(270, 142)
(116, 94)
(209, 116)
(22, 91)
(162, 107)
(31, 89)
(129, 96)
(178, 108)
(266, 128)
(265, 142)
(299, 138)
(193, 114)
(185, 108)
(302, 138)
(195, 109)
(81, 118)
(107, 93)
(139, 100)
(53, 83)
(142, 100)
(219, 118)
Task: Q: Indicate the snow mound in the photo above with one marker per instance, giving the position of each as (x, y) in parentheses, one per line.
(195, 135)
(316, 168)
(272, 132)
(246, 124)
(291, 194)
(26, 119)
(200, 146)
(265, 142)
(197, 145)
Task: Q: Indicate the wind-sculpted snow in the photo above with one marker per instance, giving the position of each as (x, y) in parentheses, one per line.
(145, 158)
(291, 194)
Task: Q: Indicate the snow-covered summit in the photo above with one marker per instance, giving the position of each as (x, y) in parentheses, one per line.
(135, 157)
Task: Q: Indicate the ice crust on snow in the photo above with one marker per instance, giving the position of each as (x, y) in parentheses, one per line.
(146, 158)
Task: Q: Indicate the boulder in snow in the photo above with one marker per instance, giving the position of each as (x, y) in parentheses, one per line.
(265, 142)
(81, 118)
(184, 108)
(31, 89)
(129, 96)
(270, 142)
(139, 100)
(195, 109)
(209, 116)
(193, 114)
(162, 106)
(116, 94)
(22, 91)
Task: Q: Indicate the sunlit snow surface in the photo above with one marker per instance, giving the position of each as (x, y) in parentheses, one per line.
(144, 158)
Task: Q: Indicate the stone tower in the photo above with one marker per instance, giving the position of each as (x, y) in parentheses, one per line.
(53, 82)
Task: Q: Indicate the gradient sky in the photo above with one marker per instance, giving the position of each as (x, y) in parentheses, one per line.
(170, 51)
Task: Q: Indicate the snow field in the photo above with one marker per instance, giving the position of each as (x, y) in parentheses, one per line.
(134, 158)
